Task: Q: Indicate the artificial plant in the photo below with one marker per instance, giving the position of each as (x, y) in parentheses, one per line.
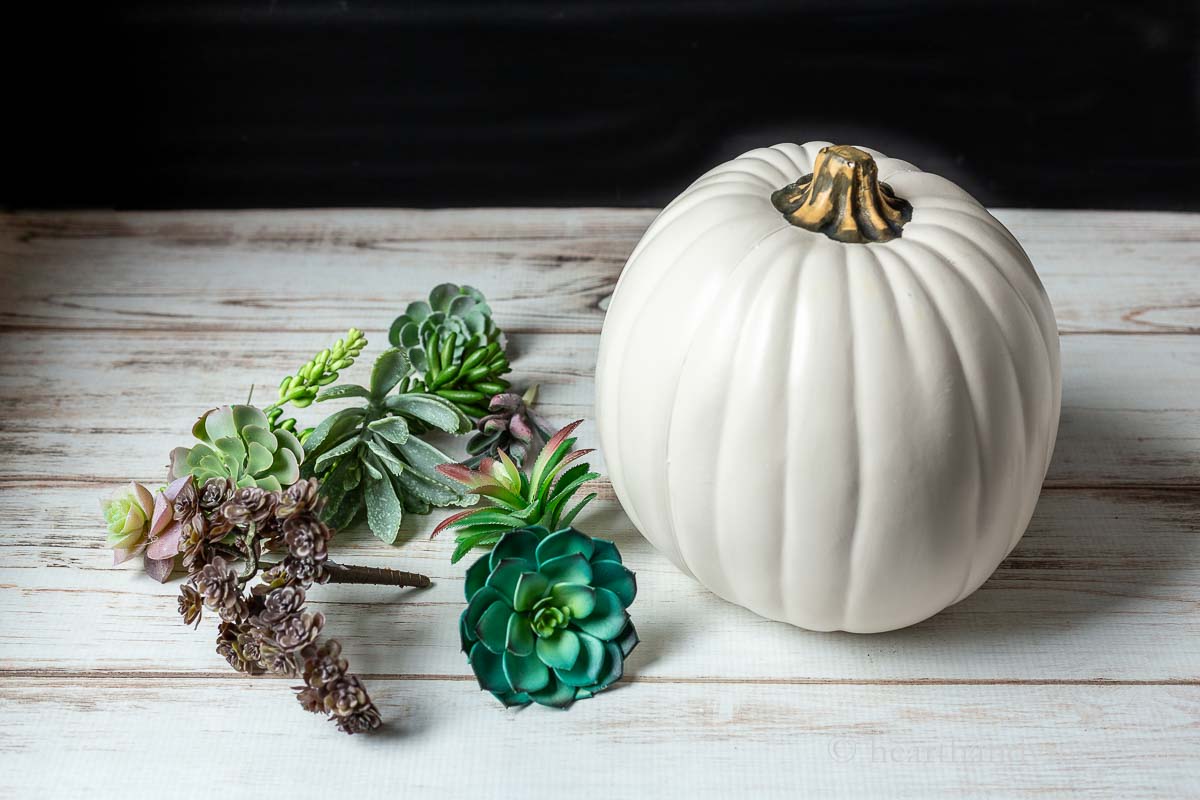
(455, 348)
(514, 499)
(546, 618)
(368, 456)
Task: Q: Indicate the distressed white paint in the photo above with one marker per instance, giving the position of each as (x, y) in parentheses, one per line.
(1074, 669)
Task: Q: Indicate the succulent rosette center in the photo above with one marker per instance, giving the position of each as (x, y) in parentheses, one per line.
(546, 618)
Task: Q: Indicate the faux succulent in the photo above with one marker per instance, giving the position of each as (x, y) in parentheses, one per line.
(516, 499)
(455, 348)
(456, 314)
(510, 426)
(236, 442)
(546, 618)
(367, 456)
(301, 389)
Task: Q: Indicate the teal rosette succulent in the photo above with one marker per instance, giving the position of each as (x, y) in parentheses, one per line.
(546, 618)
(237, 442)
(458, 314)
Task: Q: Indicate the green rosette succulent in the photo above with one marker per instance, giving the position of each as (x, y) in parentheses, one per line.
(455, 348)
(546, 618)
(456, 313)
(236, 442)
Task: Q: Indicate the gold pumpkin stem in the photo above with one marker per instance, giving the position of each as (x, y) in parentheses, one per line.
(844, 199)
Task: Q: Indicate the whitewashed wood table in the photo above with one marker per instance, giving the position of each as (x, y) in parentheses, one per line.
(1075, 669)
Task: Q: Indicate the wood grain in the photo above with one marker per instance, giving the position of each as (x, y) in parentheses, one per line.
(544, 270)
(446, 739)
(1075, 669)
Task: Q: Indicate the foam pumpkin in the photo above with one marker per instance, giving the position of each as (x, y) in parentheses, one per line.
(828, 387)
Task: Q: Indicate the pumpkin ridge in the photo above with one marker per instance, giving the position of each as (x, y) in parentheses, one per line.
(794, 352)
(981, 481)
(854, 543)
(971, 285)
(718, 432)
(628, 323)
(1025, 416)
(1037, 323)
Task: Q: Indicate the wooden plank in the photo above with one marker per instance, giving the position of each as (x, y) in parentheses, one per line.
(1095, 591)
(109, 406)
(128, 738)
(549, 270)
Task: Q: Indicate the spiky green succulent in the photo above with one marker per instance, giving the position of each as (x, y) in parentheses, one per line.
(301, 389)
(236, 442)
(368, 457)
(546, 618)
(454, 346)
(517, 499)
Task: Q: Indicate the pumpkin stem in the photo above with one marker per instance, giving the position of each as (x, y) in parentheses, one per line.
(844, 199)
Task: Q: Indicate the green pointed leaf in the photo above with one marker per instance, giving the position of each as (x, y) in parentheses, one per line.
(589, 664)
(531, 587)
(610, 673)
(480, 603)
(434, 411)
(382, 452)
(423, 457)
(390, 368)
(519, 639)
(383, 510)
(488, 669)
(492, 627)
(333, 428)
(607, 619)
(433, 492)
(575, 596)
(336, 452)
(565, 542)
(569, 518)
(393, 429)
(516, 544)
(556, 694)
(604, 550)
(627, 640)
(560, 650)
(505, 575)
(525, 673)
(615, 577)
(341, 391)
(573, 568)
(476, 576)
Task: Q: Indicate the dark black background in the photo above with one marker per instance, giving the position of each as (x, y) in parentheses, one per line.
(327, 103)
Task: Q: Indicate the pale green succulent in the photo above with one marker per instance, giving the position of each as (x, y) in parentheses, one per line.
(454, 314)
(237, 442)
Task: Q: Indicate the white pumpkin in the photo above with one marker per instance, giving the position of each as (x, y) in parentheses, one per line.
(839, 435)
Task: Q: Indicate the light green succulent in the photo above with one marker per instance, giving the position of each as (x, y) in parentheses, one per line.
(237, 442)
(455, 318)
